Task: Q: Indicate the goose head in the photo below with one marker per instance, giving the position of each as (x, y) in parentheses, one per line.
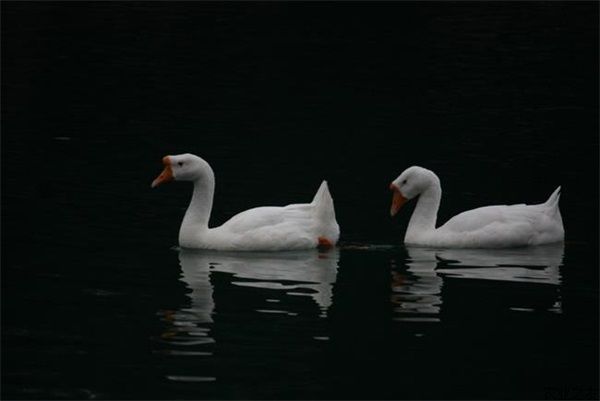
(411, 183)
(184, 167)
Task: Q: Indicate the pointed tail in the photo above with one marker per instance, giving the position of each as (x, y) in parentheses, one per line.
(554, 198)
(325, 213)
(551, 204)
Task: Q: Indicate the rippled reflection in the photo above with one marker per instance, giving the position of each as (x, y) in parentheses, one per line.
(417, 291)
(283, 281)
(533, 264)
(299, 273)
(303, 273)
(189, 327)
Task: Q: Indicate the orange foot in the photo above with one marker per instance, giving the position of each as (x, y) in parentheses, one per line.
(324, 243)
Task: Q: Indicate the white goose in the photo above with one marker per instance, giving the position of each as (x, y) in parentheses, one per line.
(499, 226)
(268, 228)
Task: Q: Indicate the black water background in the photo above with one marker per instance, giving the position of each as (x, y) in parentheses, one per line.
(500, 99)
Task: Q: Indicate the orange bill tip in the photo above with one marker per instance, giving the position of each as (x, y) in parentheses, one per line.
(166, 175)
(397, 200)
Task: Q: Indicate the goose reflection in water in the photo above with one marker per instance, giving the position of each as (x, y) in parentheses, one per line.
(307, 273)
(417, 291)
(304, 273)
(538, 264)
(190, 326)
(190, 331)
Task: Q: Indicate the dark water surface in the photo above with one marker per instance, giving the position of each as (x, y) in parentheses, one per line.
(499, 99)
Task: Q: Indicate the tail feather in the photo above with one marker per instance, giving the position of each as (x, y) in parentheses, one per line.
(325, 213)
(551, 205)
(322, 193)
(554, 198)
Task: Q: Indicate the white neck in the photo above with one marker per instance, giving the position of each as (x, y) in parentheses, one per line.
(195, 221)
(424, 217)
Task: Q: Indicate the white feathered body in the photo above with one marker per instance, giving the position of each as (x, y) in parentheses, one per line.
(272, 228)
(498, 226)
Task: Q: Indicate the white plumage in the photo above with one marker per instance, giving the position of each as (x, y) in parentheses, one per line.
(499, 226)
(268, 228)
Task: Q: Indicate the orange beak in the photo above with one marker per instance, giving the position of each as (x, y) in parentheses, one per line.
(166, 175)
(397, 200)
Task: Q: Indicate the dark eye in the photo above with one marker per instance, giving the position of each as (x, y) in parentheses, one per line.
(404, 182)
(180, 163)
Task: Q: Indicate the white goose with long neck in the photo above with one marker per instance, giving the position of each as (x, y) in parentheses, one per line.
(498, 226)
(267, 228)
(196, 218)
